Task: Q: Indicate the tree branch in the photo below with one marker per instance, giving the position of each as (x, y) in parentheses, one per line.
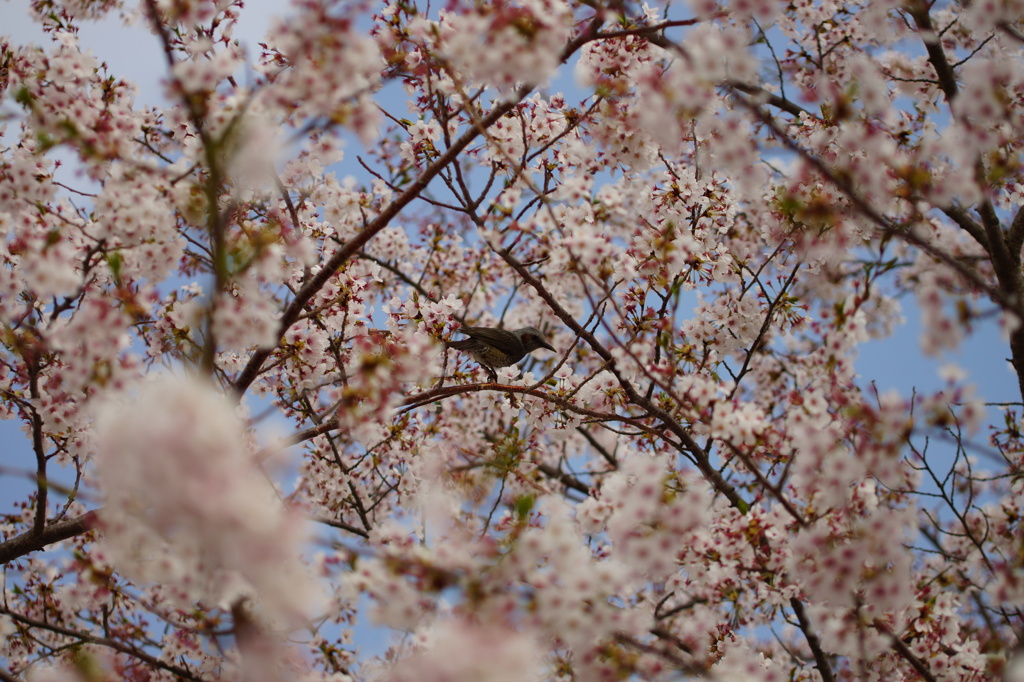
(103, 641)
(31, 540)
(820, 659)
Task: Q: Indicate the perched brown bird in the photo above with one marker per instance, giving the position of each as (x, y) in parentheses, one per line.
(494, 348)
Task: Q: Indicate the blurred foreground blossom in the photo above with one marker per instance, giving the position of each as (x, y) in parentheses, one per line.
(187, 507)
(459, 651)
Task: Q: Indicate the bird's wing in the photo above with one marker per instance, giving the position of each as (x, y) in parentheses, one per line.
(504, 341)
(463, 344)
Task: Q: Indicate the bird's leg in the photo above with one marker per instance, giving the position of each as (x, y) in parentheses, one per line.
(494, 377)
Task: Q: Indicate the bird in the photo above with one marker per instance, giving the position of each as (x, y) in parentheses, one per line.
(494, 348)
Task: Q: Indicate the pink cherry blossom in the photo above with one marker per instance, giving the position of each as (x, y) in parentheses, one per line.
(774, 246)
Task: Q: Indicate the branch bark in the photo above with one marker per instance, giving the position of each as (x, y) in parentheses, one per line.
(33, 540)
(820, 659)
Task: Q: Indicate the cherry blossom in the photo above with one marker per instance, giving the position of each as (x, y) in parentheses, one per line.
(242, 446)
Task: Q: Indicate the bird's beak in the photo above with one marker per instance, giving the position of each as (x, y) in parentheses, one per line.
(545, 344)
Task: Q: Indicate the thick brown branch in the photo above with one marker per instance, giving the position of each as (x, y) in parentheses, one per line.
(1015, 235)
(759, 93)
(673, 659)
(565, 479)
(38, 447)
(301, 437)
(341, 525)
(968, 224)
(936, 55)
(904, 651)
(31, 540)
(820, 659)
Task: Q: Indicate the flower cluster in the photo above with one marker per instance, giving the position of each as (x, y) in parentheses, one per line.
(188, 508)
(716, 225)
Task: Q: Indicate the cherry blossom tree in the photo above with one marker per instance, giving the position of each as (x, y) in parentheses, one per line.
(223, 323)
